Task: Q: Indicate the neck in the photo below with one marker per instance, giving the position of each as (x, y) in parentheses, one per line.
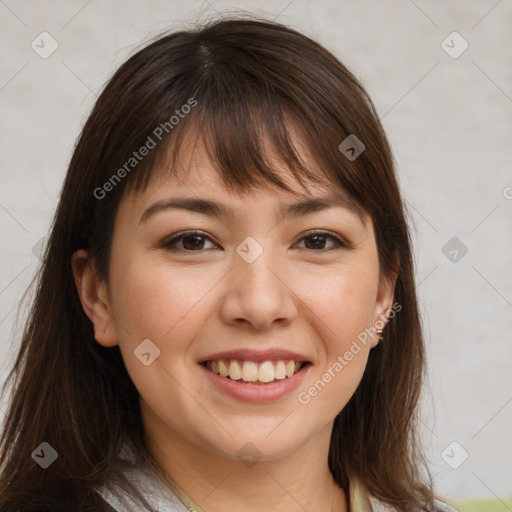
(292, 483)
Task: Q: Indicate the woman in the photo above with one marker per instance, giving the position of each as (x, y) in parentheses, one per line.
(226, 313)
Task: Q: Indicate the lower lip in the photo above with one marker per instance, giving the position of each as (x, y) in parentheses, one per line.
(257, 393)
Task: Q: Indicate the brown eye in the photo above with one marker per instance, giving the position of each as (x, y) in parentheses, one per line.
(190, 242)
(195, 242)
(317, 241)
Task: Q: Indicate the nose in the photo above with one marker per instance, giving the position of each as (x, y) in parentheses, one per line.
(259, 294)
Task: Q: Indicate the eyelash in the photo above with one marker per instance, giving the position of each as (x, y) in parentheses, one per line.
(170, 244)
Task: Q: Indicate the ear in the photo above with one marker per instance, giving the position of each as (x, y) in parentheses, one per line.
(94, 298)
(384, 303)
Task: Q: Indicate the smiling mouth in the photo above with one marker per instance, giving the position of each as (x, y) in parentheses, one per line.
(264, 372)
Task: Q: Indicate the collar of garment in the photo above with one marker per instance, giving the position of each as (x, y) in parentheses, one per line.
(164, 495)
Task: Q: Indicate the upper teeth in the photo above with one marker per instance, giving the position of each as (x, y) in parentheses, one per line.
(250, 371)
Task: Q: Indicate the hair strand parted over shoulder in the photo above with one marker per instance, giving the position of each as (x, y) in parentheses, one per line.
(238, 84)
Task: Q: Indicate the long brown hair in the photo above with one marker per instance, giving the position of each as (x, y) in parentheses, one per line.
(249, 79)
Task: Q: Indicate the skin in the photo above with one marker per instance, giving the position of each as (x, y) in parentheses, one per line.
(296, 295)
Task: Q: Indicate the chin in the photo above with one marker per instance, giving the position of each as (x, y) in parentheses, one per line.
(271, 441)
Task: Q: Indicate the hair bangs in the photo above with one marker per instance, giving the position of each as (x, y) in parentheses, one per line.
(250, 136)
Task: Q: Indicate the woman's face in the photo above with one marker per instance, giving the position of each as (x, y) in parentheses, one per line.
(252, 293)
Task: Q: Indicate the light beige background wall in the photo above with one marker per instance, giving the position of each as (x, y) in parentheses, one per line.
(449, 119)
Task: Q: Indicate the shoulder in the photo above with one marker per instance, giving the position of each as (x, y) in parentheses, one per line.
(441, 506)
(380, 506)
(95, 504)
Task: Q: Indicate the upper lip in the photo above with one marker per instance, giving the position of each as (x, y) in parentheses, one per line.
(256, 355)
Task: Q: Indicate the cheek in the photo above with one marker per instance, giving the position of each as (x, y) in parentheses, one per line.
(157, 301)
(161, 304)
(343, 302)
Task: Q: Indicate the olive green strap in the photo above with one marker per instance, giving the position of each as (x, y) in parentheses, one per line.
(359, 501)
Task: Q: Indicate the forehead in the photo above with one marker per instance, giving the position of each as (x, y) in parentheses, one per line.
(195, 169)
(202, 174)
(195, 174)
(205, 191)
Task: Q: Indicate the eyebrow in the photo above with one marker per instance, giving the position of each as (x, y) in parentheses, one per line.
(214, 209)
